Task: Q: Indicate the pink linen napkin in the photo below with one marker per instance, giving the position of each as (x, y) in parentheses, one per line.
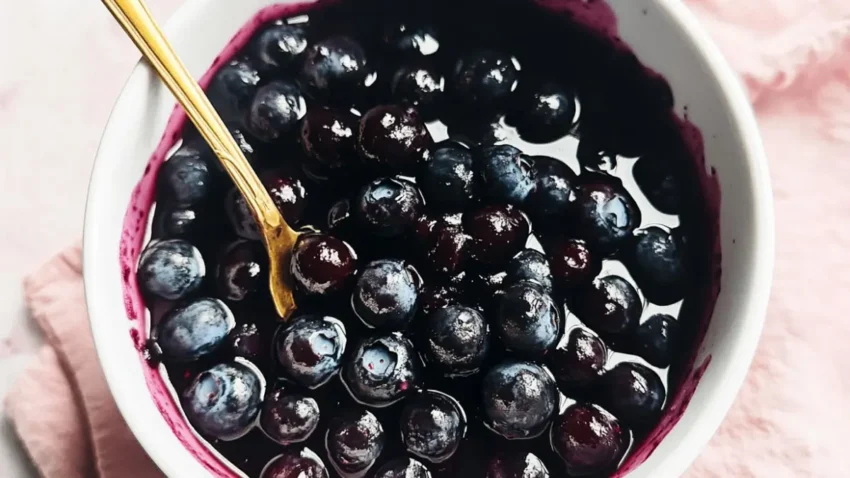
(790, 419)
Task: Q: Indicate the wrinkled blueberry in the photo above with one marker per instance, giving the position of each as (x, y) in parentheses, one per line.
(241, 270)
(589, 440)
(446, 246)
(403, 468)
(633, 393)
(386, 295)
(393, 139)
(382, 370)
(552, 196)
(171, 269)
(455, 339)
(432, 426)
(232, 89)
(289, 417)
(606, 214)
(328, 138)
(506, 174)
(530, 265)
(411, 40)
(519, 399)
(223, 402)
(289, 193)
(573, 263)
(658, 263)
(657, 179)
(275, 111)
(186, 179)
(295, 463)
(498, 233)
(389, 207)
(354, 441)
(609, 305)
(192, 330)
(516, 465)
(334, 68)
(579, 360)
(657, 340)
(528, 321)
(543, 112)
(309, 349)
(321, 264)
(420, 86)
(279, 46)
(448, 179)
(485, 79)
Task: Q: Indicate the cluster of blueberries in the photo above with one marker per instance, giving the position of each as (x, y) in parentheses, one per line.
(416, 270)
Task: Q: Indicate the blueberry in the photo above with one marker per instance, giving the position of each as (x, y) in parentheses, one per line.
(543, 112)
(528, 320)
(309, 349)
(436, 296)
(530, 265)
(382, 370)
(289, 193)
(432, 426)
(192, 330)
(498, 233)
(606, 214)
(633, 393)
(516, 465)
(389, 207)
(341, 221)
(419, 85)
(248, 144)
(279, 46)
(448, 179)
(485, 79)
(295, 463)
(386, 295)
(328, 138)
(609, 305)
(578, 361)
(354, 441)
(506, 173)
(321, 264)
(186, 179)
(181, 222)
(250, 342)
(456, 340)
(223, 402)
(411, 41)
(393, 139)
(171, 269)
(289, 417)
(573, 263)
(657, 178)
(403, 468)
(657, 261)
(334, 68)
(241, 270)
(275, 111)
(232, 89)
(446, 247)
(519, 399)
(551, 198)
(657, 340)
(589, 440)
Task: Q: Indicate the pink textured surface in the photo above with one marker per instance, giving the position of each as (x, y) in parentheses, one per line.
(791, 416)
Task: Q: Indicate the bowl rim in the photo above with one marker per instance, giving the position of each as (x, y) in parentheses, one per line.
(719, 399)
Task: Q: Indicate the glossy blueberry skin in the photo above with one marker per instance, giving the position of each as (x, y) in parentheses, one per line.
(530, 265)
(543, 112)
(181, 222)
(386, 294)
(551, 198)
(334, 67)
(519, 399)
(498, 233)
(403, 468)
(193, 330)
(410, 41)
(393, 139)
(573, 263)
(578, 361)
(382, 370)
(589, 440)
(249, 145)
(506, 174)
(434, 297)
(223, 402)
(328, 137)
(354, 441)
(609, 305)
(186, 179)
(232, 89)
(309, 349)
(634, 393)
(279, 47)
(657, 260)
(321, 264)
(448, 179)
(658, 180)
(295, 463)
(657, 340)
(455, 340)
(388, 207)
(289, 417)
(485, 79)
(446, 246)
(241, 270)
(528, 321)
(605, 213)
(250, 342)
(275, 111)
(516, 465)
(432, 426)
(419, 85)
(289, 193)
(170, 269)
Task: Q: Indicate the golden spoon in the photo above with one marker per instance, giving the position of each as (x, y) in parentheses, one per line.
(135, 18)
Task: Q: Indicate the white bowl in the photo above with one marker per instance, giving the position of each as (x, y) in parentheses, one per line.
(663, 34)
